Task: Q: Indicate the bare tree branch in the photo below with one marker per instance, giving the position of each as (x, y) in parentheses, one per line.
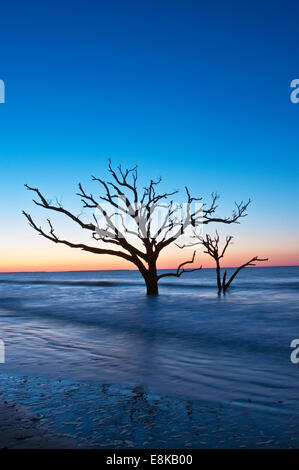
(126, 220)
(180, 269)
(251, 262)
(51, 236)
(44, 203)
(211, 245)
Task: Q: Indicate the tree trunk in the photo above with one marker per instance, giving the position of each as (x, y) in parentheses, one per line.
(224, 286)
(151, 285)
(218, 276)
(151, 278)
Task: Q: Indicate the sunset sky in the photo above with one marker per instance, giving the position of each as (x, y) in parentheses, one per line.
(196, 93)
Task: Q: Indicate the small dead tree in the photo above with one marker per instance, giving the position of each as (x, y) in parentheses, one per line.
(128, 225)
(212, 248)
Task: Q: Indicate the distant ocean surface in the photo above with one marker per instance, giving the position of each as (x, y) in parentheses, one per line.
(100, 326)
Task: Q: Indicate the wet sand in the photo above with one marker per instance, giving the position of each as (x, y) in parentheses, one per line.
(21, 430)
(45, 413)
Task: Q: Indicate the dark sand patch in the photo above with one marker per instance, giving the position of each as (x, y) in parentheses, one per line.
(20, 430)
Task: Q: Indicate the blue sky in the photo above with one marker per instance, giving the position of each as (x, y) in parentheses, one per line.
(195, 92)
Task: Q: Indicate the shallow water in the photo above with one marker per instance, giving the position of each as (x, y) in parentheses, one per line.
(187, 342)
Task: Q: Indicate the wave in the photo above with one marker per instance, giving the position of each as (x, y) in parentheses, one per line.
(196, 335)
(248, 285)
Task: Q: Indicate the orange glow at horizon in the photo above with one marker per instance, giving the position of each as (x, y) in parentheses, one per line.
(65, 259)
(35, 254)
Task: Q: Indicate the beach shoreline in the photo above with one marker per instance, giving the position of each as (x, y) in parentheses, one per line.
(37, 412)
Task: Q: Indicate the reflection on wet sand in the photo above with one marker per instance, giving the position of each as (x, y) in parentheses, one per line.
(109, 416)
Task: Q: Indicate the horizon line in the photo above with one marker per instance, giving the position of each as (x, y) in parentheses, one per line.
(162, 269)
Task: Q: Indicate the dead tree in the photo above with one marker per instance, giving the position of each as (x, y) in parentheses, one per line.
(128, 225)
(212, 248)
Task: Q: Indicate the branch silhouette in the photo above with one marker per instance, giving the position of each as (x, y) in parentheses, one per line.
(212, 248)
(126, 220)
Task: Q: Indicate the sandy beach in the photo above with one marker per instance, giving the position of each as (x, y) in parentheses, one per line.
(44, 413)
(21, 430)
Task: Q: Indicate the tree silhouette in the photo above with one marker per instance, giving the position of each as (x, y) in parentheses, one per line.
(131, 223)
(212, 248)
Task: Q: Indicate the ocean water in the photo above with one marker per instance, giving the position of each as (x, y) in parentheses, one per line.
(187, 342)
